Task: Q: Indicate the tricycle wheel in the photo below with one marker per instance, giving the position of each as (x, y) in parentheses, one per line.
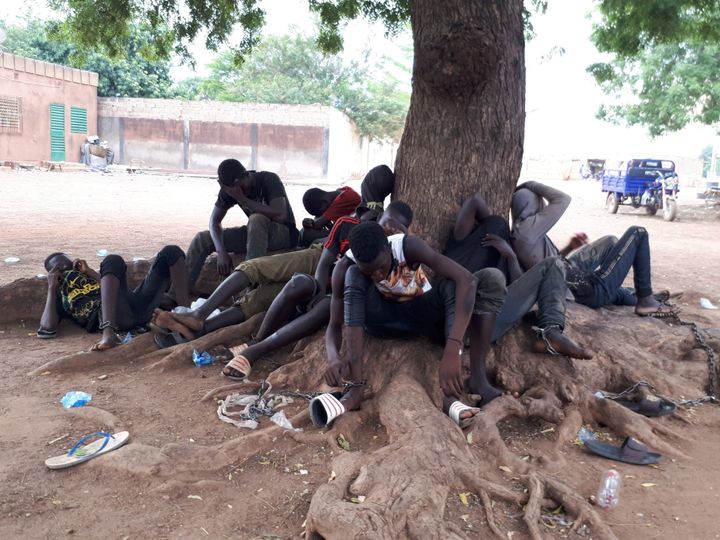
(651, 210)
(670, 210)
(612, 203)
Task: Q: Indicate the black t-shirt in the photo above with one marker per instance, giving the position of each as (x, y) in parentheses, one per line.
(338, 240)
(267, 187)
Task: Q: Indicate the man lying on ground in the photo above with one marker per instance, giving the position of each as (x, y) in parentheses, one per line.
(270, 226)
(102, 301)
(387, 294)
(478, 240)
(327, 207)
(595, 273)
(305, 301)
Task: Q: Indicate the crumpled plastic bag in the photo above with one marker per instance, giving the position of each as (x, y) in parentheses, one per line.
(246, 401)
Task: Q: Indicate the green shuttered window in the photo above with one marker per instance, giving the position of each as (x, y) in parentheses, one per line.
(78, 120)
(57, 132)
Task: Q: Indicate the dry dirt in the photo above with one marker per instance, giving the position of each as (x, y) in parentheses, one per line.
(267, 496)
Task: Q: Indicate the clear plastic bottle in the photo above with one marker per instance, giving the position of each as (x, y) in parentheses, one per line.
(608, 494)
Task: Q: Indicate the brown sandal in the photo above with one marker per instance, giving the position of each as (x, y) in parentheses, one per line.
(237, 369)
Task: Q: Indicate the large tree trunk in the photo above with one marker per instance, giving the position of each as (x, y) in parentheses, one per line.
(464, 130)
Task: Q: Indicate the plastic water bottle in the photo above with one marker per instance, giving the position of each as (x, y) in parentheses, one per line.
(608, 495)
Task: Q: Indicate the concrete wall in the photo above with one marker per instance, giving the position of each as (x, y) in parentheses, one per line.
(38, 84)
(292, 140)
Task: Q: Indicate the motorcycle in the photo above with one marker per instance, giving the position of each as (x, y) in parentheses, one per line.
(661, 194)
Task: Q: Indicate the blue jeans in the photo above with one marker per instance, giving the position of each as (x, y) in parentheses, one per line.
(544, 283)
(632, 250)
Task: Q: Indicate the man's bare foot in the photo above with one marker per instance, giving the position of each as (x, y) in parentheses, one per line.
(165, 319)
(352, 399)
(561, 344)
(486, 391)
(189, 320)
(108, 341)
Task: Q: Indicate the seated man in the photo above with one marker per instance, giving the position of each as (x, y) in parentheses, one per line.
(102, 301)
(387, 294)
(543, 284)
(595, 274)
(305, 298)
(466, 245)
(379, 182)
(268, 275)
(327, 207)
(271, 223)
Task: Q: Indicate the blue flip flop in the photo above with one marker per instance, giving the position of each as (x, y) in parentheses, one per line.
(81, 453)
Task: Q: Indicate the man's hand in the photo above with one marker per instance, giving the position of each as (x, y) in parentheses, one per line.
(224, 264)
(451, 381)
(308, 223)
(494, 241)
(336, 371)
(81, 265)
(578, 240)
(236, 192)
(54, 276)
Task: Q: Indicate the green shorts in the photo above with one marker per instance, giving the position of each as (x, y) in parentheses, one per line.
(270, 274)
(281, 267)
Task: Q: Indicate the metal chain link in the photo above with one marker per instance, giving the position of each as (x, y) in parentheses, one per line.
(711, 396)
(712, 361)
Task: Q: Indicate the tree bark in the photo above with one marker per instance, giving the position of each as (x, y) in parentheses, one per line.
(465, 126)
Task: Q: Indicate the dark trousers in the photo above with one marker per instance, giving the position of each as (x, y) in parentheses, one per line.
(632, 250)
(135, 308)
(255, 239)
(431, 314)
(543, 284)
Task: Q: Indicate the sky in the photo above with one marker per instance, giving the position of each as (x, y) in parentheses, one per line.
(561, 98)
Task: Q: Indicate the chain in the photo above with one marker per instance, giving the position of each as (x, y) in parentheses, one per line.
(711, 396)
(712, 361)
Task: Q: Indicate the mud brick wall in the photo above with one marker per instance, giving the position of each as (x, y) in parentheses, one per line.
(291, 140)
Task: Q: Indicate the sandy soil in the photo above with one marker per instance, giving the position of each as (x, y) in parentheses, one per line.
(268, 496)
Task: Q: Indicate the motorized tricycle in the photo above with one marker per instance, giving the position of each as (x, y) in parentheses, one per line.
(648, 183)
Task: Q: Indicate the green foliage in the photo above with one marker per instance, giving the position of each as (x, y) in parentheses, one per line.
(174, 24)
(629, 28)
(665, 72)
(672, 85)
(291, 70)
(132, 76)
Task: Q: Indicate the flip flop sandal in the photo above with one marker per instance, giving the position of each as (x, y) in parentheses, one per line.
(457, 408)
(649, 407)
(239, 367)
(81, 453)
(631, 451)
(164, 341)
(325, 408)
(46, 334)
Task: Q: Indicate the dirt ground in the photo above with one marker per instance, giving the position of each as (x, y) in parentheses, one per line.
(268, 495)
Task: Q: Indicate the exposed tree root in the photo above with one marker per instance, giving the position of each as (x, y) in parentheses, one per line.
(230, 336)
(83, 360)
(402, 488)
